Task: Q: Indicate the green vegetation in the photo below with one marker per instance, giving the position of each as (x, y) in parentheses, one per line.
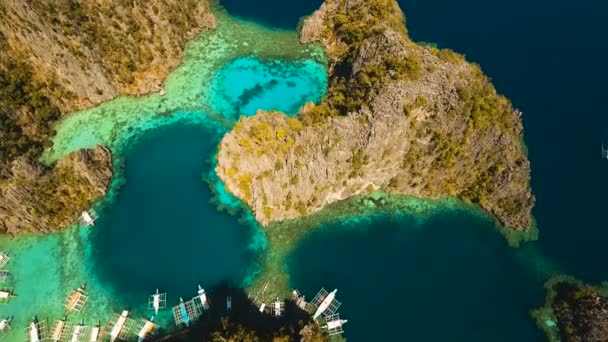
(27, 112)
(115, 36)
(353, 26)
(484, 107)
(357, 161)
(62, 196)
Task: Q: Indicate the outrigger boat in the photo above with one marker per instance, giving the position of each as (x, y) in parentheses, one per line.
(35, 331)
(4, 258)
(5, 326)
(76, 299)
(5, 323)
(326, 303)
(6, 293)
(59, 330)
(278, 307)
(300, 300)
(157, 301)
(79, 332)
(183, 316)
(120, 323)
(334, 324)
(202, 296)
(88, 218)
(94, 335)
(146, 329)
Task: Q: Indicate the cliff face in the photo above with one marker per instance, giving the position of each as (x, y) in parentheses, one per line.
(41, 199)
(398, 116)
(57, 56)
(96, 50)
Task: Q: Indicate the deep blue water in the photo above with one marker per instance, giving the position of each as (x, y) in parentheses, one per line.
(449, 278)
(276, 13)
(455, 279)
(162, 230)
(549, 58)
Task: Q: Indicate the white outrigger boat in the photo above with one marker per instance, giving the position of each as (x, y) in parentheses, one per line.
(5, 326)
(76, 299)
(94, 335)
(35, 331)
(278, 307)
(326, 303)
(6, 294)
(121, 326)
(202, 296)
(334, 324)
(78, 332)
(157, 301)
(60, 330)
(4, 258)
(146, 329)
(89, 217)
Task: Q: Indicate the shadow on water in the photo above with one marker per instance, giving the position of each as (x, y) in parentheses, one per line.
(244, 314)
(275, 13)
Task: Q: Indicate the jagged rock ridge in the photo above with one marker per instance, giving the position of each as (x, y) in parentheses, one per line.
(401, 117)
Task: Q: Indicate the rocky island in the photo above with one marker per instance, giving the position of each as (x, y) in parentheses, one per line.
(401, 117)
(574, 311)
(61, 56)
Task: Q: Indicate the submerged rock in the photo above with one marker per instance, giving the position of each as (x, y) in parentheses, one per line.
(37, 198)
(404, 118)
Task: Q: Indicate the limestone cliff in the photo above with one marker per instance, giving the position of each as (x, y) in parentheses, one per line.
(57, 56)
(398, 116)
(36, 198)
(96, 50)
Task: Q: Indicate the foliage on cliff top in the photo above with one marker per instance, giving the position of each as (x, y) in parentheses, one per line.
(26, 111)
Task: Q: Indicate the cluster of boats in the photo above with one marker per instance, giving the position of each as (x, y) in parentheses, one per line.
(120, 327)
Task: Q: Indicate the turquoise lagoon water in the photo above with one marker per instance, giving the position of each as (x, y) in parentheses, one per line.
(246, 85)
(442, 274)
(167, 221)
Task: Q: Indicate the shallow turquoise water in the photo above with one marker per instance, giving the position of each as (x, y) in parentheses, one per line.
(248, 84)
(447, 276)
(167, 221)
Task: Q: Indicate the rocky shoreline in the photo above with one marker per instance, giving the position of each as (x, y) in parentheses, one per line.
(573, 311)
(57, 57)
(398, 117)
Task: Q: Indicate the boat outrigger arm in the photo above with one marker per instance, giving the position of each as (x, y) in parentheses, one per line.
(184, 312)
(117, 328)
(325, 304)
(146, 329)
